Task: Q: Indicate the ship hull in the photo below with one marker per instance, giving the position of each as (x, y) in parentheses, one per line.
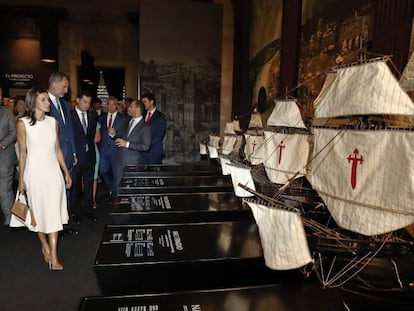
(386, 283)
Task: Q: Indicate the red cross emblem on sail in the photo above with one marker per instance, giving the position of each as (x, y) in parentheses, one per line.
(253, 145)
(355, 160)
(281, 146)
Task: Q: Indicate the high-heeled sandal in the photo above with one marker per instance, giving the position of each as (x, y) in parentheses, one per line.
(56, 266)
(46, 255)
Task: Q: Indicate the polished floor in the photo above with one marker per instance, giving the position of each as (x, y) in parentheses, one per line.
(27, 284)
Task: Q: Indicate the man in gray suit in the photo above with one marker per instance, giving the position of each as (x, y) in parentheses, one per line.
(132, 141)
(8, 161)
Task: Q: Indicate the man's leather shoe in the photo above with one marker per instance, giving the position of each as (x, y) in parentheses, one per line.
(91, 216)
(115, 200)
(72, 231)
(76, 219)
(68, 231)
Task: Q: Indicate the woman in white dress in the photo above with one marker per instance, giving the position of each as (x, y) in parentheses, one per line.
(41, 163)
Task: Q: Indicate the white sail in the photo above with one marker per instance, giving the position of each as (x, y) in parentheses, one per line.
(286, 113)
(282, 236)
(407, 77)
(241, 174)
(238, 144)
(224, 167)
(330, 78)
(255, 121)
(228, 144)
(214, 140)
(365, 178)
(236, 126)
(253, 149)
(286, 156)
(229, 128)
(212, 152)
(203, 148)
(364, 89)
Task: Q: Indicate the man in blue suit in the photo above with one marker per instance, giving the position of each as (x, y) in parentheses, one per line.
(84, 126)
(60, 110)
(158, 123)
(111, 123)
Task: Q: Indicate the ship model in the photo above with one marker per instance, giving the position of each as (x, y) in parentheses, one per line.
(358, 157)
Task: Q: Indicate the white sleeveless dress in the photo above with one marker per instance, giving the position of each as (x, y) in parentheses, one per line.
(45, 184)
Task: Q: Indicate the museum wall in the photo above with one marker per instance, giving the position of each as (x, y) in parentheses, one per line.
(315, 35)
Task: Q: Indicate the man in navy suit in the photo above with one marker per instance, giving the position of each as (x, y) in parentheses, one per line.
(158, 123)
(111, 123)
(84, 123)
(133, 140)
(60, 110)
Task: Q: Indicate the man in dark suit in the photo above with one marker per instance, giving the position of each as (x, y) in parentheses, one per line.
(158, 123)
(8, 161)
(60, 110)
(84, 123)
(133, 140)
(111, 123)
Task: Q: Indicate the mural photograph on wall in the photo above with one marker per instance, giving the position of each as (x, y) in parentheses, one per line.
(265, 46)
(333, 33)
(180, 62)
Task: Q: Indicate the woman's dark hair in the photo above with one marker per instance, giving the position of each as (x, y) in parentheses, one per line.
(16, 101)
(30, 102)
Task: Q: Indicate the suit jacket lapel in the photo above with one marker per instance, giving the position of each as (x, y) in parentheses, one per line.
(89, 118)
(137, 126)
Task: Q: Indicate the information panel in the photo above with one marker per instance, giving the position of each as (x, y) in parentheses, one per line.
(181, 242)
(179, 208)
(283, 297)
(172, 170)
(166, 257)
(187, 184)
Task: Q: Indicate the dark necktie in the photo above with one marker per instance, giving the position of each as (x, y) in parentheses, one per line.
(85, 127)
(110, 120)
(130, 126)
(59, 108)
(148, 116)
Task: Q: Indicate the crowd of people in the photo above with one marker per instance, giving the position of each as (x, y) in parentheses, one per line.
(56, 152)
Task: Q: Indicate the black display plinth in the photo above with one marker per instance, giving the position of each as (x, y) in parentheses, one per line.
(172, 170)
(272, 297)
(201, 207)
(145, 258)
(174, 185)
